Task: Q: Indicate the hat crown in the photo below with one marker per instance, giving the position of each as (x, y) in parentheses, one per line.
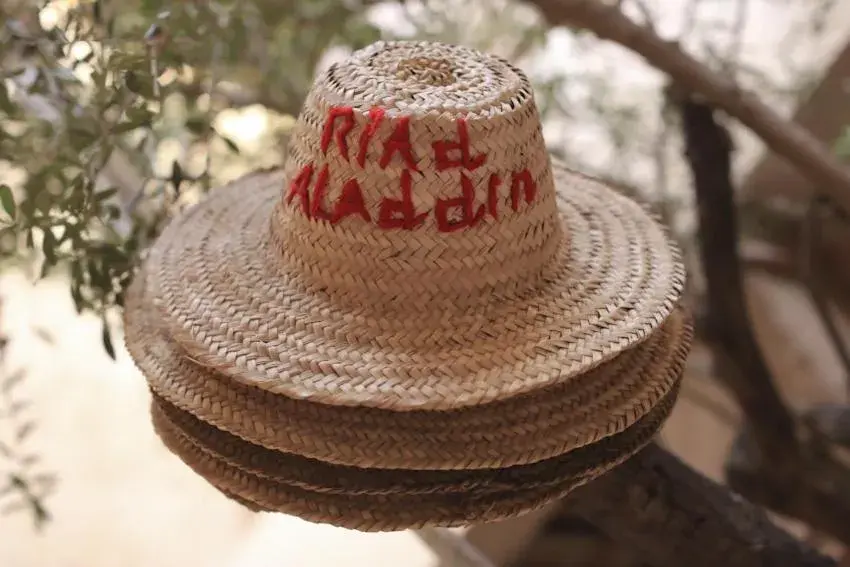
(418, 166)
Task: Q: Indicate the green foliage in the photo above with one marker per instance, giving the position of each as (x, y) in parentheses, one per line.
(98, 84)
(87, 103)
(23, 483)
(95, 95)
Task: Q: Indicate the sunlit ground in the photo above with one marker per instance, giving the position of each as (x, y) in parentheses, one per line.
(122, 499)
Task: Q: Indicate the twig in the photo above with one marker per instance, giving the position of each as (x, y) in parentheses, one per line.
(726, 322)
(776, 461)
(22, 487)
(673, 516)
(788, 139)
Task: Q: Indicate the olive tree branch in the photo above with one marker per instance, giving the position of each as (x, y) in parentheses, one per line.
(787, 139)
(674, 516)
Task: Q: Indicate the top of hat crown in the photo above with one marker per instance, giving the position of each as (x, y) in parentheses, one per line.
(418, 167)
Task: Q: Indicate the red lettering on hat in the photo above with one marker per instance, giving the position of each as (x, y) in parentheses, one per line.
(317, 206)
(522, 181)
(452, 214)
(347, 115)
(399, 141)
(300, 187)
(464, 204)
(466, 159)
(400, 213)
(351, 203)
(493, 195)
(376, 116)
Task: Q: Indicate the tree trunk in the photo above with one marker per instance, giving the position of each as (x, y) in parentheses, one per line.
(674, 516)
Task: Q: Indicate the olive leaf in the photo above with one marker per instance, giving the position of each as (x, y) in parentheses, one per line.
(106, 337)
(7, 199)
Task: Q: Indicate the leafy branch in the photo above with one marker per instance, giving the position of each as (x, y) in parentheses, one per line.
(23, 486)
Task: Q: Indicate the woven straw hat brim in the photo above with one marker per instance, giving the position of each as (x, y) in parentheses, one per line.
(520, 430)
(318, 476)
(398, 511)
(215, 279)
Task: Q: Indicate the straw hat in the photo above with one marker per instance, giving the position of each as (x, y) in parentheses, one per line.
(419, 305)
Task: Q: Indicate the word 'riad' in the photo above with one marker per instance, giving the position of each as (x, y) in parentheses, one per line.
(310, 184)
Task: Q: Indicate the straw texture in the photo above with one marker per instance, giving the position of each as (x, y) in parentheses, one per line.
(378, 500)
(420, 319)
(519, 430)
(311, 474)
(355, 314)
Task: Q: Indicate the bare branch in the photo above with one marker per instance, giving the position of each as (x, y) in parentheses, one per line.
(726, 323)
(776, 461)
(674, 516)
(785, 138)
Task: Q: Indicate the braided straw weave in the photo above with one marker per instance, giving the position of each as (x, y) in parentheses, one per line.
(375, 500)
(419, 319)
